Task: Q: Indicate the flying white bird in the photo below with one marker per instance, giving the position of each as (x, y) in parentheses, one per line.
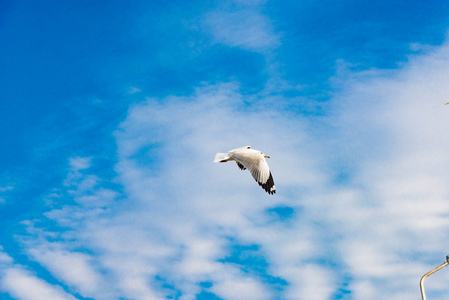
(254, 161)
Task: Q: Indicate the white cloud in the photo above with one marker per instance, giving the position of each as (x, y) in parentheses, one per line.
(20, 284)
(80, 163)
(389, 138)
(73, 268)
(366, 184)
(133, 90)
(309, 282)
(200, 210)
(77, 165)
(234, 285)
(4, 257)
(392, 134)
(245, 27)
(6, 188)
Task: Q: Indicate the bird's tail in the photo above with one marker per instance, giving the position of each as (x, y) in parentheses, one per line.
(220, 157)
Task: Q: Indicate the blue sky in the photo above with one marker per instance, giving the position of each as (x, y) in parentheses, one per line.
(112, 113)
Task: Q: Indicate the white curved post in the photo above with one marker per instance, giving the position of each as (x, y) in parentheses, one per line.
(421, 282)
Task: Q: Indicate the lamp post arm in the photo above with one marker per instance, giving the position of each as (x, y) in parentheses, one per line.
(421, 282)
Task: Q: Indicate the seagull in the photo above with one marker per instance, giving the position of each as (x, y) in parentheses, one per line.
(254, 161)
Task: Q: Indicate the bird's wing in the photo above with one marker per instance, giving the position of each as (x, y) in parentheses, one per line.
(258, 167)
(261, 173)
(242, 167)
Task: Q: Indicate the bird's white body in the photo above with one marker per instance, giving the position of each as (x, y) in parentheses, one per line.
(254, 161)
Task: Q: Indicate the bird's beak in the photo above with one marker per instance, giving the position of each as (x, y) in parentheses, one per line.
(266, 156)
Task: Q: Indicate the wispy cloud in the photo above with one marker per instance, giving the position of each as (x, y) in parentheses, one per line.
(4, 190)
(391, 135)
(22, 284)
(108, 190)
(361, 200)
(72, 267)
(177, 229)
(133, 90)
(245, 27)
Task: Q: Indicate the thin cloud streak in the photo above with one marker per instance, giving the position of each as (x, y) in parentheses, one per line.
(20, 283)
(245, 27)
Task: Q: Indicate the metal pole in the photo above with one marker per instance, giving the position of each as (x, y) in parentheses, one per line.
(421, 282)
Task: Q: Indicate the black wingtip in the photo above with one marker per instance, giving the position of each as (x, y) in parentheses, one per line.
(269, 185)
(240, 166)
